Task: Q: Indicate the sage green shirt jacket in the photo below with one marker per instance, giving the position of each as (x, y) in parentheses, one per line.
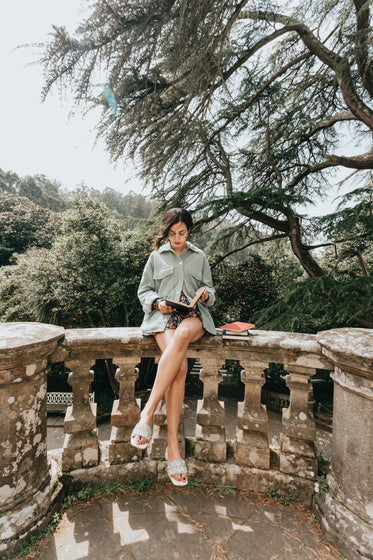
(166, 275)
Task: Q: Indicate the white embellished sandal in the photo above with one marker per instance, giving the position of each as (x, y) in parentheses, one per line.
(177, 466)
(141, 430)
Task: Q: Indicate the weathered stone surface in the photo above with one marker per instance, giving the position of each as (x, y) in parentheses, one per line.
(251, 456)
(25, 479)
(352, 348)
(125, 413)
(348, 351)
(210, 411)
(346, 512)
(297, 446)
(304, 467)
(210, 451)
(80, 450)
(350, 533)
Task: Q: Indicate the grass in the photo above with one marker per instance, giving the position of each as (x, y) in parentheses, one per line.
(282, 499)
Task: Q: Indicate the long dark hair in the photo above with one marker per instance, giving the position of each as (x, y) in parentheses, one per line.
(172, 217)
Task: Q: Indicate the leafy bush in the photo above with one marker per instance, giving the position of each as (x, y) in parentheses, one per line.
(242, 289)
(88, 278)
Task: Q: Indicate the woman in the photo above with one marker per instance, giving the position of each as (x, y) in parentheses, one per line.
(175, 270)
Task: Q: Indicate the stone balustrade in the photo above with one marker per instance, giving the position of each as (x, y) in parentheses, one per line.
(27, 349)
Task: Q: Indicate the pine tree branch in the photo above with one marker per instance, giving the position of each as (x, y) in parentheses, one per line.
(333, 60)
(327, 123)
(363, 161)
(250, 243)
(224, 168)
(244, 106)
(362, 38)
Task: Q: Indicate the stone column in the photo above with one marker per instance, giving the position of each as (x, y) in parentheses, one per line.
(252, 448)
(210, 427)
(80, 448)
(125, 413)
(25, 480)
(346, 511)
(297, 456)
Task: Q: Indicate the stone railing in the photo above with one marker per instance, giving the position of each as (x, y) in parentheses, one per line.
(27, 349)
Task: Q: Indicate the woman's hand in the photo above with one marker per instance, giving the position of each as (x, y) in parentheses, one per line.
(163, 308)
(204, 296)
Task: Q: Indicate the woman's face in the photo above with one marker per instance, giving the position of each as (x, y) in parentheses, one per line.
(178, 236)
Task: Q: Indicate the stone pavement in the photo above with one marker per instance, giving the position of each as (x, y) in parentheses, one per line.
(184, 524)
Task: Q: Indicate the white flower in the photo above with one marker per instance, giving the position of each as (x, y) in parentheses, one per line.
(317, 487)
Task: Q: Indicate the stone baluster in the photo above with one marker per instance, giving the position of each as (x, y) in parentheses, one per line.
(297, 456)
(210, 426)
(80, 447)
(252, 448)
(125, 413)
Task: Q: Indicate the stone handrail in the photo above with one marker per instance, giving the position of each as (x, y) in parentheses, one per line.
(348, 353)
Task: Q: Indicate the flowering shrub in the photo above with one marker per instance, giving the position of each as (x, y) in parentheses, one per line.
(242, 289)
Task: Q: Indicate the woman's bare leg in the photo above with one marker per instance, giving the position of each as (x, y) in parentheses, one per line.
(172, 366)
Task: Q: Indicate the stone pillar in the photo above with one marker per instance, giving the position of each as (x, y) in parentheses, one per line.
(125, 413)
(252, 447)
(25, 480)
(210, 427)
(297, 456)
(80, 448)
(346, 511)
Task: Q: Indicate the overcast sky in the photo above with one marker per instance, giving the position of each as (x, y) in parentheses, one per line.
(40, 138)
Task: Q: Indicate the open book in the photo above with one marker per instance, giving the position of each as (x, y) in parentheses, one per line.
(182, 307)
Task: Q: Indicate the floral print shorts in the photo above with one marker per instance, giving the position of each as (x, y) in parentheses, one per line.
(176, 317)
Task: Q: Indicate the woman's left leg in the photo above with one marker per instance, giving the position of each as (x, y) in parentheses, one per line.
(174, 395)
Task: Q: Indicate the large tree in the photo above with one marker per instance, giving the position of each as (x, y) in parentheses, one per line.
(38, 188)
(23, 224)
(236, 111)
(89, 277)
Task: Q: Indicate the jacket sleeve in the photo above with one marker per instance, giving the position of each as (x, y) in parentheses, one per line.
(207, 282)
(146, 292)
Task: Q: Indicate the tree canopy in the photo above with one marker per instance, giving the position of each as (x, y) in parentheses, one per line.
(238, 112)
(23, 224)
(38, 188)
(89, 276)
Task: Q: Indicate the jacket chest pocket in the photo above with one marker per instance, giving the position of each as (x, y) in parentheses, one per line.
(194, 276)
(163, 272)
(163, 275)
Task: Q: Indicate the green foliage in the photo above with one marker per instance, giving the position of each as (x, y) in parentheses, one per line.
(224, 489)
(321, 485)
(193, 484)
(23, 224)
(28, 545)
(275, 376)
(242, 289)
(39, 189)
(285, 266)
(284, 500)
(88, 278)
(307, 308)
(240, 122)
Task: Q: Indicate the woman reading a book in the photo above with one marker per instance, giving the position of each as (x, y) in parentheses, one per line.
(176, 270)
